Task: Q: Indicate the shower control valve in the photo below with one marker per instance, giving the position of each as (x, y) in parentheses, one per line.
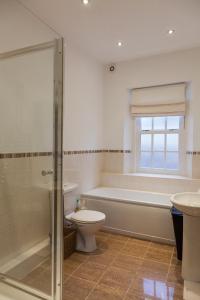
(46, 172)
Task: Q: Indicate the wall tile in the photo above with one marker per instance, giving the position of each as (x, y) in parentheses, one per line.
(24, 204)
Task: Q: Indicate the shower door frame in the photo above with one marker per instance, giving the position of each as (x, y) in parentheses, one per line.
(57, 201)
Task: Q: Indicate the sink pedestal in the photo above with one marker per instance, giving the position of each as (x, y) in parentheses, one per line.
(191, 290)
(191, 248)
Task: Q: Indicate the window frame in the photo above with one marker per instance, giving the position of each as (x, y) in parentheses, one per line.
(137, 147)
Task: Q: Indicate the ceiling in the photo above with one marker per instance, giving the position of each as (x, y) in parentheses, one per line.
(141, 25)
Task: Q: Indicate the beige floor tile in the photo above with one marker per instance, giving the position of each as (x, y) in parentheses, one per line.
(146, 285)
(140, 296)
(162, 246)
(34, 274)
(118, 237)
(113, 244)
(159, 255)
(79, 257)
(127, 262)
(42, 282)
(70, 266)
(134, 250)
(104, 258)
(118, 279)
(76, 289)
(175, 291)
(121, 269)
(103, 292)
(90, 271)
(147, 288)
(174, 274)
(73, 262)
(137, 284)
(102, 234)
(24, 268)
(101, 243)
(153, 270)
(46, 264)
(175, 261)
(139, 242)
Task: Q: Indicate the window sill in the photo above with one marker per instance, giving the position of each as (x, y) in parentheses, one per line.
(167, 176)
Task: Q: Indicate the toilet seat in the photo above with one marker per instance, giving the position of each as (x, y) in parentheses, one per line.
(88, 216)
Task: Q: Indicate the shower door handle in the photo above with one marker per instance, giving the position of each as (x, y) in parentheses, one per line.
(46, 172)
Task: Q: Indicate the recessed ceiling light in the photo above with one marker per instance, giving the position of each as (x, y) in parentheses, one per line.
(85, 2)
(171, 31)
(119, 44)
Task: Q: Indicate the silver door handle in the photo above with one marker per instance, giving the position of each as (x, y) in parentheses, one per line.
(46, 172)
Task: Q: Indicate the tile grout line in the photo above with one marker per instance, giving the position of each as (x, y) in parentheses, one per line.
(71, 275)
(170, 263)
(148, 247)
(142, 259)
(98, 281)
(119, 252)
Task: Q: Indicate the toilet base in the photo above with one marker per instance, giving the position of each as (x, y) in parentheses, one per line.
(86, 243)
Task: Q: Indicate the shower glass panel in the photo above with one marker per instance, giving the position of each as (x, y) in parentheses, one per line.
(29, 175)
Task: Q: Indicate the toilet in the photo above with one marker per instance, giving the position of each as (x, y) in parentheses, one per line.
(88, 222)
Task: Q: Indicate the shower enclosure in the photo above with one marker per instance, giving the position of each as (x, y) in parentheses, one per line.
(31, 208)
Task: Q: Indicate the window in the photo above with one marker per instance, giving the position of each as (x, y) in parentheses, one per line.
(159, 144)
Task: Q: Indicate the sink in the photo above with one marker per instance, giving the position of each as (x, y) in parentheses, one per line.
(188, 203)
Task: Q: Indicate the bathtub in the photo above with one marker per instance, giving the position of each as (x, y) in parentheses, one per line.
(135, 213)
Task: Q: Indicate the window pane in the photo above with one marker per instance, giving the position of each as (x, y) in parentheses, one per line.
(146, 123)
(145, 159)
(173, 122)
(159, 123)
(159, 142)
(146, 142)
(172, 160)
(172, 142)
(158, 160)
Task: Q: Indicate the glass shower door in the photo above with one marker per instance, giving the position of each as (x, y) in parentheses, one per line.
(31, 169)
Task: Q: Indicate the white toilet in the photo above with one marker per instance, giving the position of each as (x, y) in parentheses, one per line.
(88, 221)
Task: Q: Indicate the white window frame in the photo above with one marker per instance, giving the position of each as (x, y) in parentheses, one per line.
(137, 146)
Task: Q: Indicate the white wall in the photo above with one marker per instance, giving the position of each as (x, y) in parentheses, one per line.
(83, 106)
(83, 100)
(19, 28)
(83, 118)
(161, 69)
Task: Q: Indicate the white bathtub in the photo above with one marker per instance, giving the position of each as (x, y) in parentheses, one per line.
(135, 213)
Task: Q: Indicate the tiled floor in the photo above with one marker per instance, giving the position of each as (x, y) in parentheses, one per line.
(122, 269)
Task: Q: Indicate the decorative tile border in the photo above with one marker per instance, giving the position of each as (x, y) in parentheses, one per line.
(39, 154)
(193, 152)
(95, 151)
(76, 152)
(24, 154)
(117, 151)
(81, 152)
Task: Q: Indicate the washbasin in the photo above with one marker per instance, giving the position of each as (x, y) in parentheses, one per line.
(188, 203)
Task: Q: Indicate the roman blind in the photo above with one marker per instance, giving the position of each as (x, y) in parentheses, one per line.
(159, 100)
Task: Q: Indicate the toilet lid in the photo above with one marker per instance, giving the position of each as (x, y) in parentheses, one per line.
(88, 216)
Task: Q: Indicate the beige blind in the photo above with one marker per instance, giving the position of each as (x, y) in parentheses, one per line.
(159, 100)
